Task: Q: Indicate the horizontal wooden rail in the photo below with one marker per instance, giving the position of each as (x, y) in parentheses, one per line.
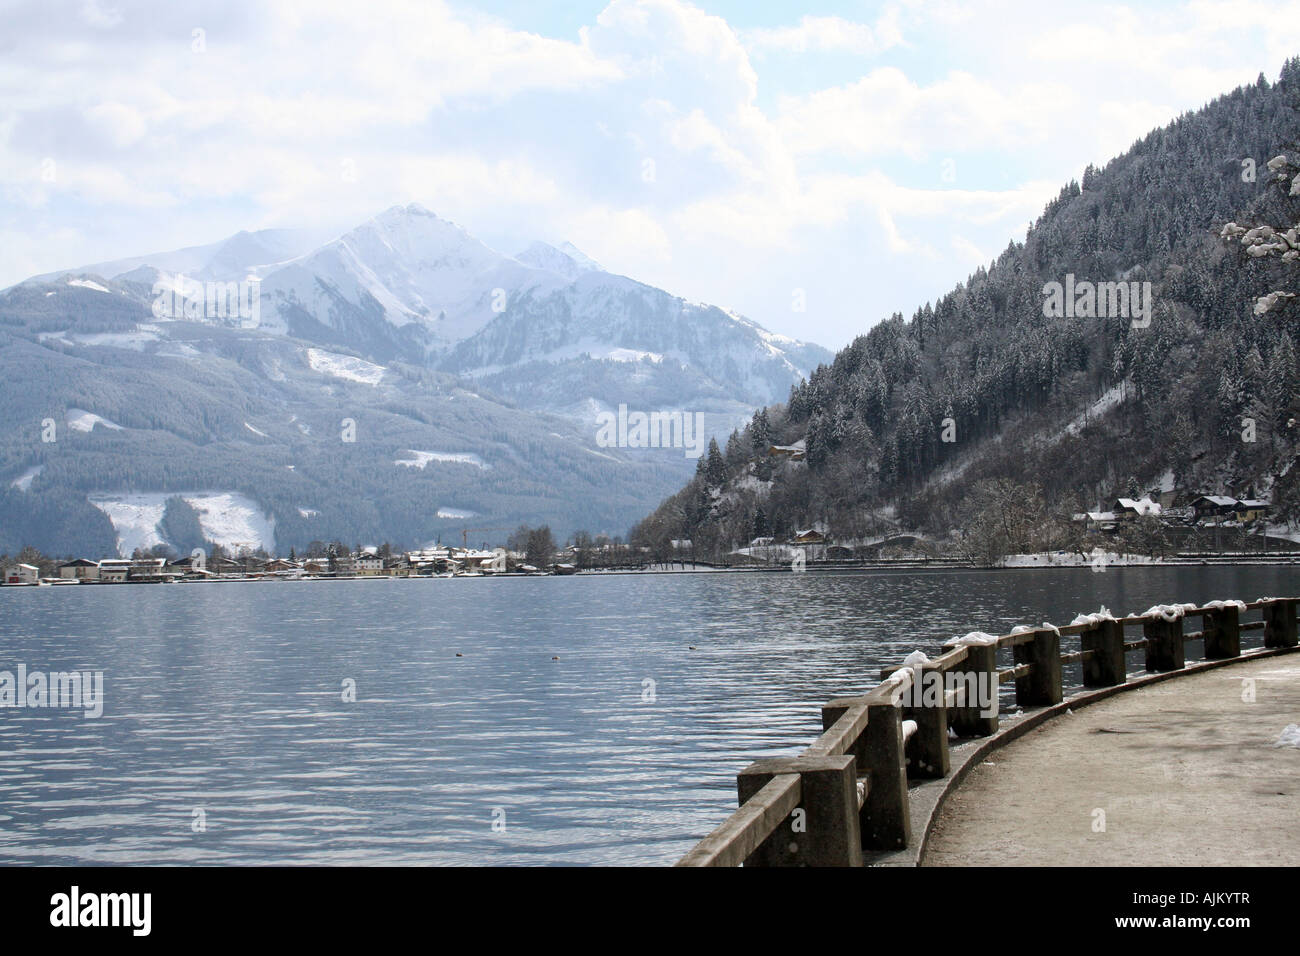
(746, 829)
(847, 792)
(1077, 657)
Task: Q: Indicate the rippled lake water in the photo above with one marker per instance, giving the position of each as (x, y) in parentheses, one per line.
(228, 699)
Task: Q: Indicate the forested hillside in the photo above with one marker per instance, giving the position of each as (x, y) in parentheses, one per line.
(910, 425)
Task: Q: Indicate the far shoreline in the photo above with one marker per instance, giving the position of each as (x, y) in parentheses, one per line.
(1048, 563)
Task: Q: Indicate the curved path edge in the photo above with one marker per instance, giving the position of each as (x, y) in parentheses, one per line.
(928, 797)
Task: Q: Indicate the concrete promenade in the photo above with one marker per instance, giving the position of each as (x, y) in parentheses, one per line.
(1183, 772)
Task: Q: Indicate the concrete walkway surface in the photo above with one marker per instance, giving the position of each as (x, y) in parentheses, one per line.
(1184, 772)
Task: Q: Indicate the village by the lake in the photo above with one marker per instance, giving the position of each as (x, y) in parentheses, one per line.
(1171, 528)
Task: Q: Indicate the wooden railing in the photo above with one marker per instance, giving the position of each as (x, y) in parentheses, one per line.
(847, 794)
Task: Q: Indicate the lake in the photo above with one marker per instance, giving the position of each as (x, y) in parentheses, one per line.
(226, 737)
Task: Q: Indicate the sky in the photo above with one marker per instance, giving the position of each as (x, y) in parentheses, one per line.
(815, 167)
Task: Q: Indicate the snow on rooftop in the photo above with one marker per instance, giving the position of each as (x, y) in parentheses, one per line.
(1143, 506)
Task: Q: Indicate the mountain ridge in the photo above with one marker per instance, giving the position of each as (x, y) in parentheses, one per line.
(355, 329)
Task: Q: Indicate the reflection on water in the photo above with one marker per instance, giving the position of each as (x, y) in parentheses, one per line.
(228, 699)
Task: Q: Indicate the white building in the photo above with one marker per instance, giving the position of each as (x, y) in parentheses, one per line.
(22, 574)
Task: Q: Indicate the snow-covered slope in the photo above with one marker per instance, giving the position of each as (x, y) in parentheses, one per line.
(708, 353)
(564, 260)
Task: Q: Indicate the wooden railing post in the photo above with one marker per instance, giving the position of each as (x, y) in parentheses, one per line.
(1105, 666)
(1164, 644)
(1042, 685)
(924, 702)
(1280, 624)
(886, 814)
(978, 672)
(1221, 629)
(826, 833)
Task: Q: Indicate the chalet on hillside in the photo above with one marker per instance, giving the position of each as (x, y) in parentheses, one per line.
(1214, 507)
(1099, 520)
(1251, 509)
(796, 452)
(1125, 508)
(812, 541)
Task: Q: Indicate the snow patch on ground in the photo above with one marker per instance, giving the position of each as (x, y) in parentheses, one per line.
(144, 335)
(87, 284)
(752, 483)
(24, 481)
(230, 519)
(345, 367)
(1111, 399)
(80, 420)
(1290, 737)
(423, 458)
(456, 513)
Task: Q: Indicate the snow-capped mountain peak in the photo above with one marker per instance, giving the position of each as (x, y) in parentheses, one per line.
(407, 265)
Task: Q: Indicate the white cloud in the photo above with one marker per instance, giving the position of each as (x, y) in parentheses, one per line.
(836, 34)
(324, 113)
